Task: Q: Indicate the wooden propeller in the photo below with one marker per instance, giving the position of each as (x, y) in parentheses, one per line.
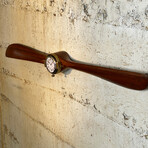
(132, 80)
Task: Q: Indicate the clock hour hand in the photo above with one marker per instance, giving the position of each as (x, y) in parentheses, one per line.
(59, 61)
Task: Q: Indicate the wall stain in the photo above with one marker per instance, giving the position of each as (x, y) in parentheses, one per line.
(10, 134)
(17, 86)
(71, 16)
(4, 98)
(8, 2)
(85, 9)
(13, 137)
(36, 121)
(102, 15)
(129, 20)
(146, 136)
(8, 73)
(52, 2)
(146, 11)
(71, 96)
(5, 129)
(82, 102)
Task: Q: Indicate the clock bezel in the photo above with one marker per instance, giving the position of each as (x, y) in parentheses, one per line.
(57, 62)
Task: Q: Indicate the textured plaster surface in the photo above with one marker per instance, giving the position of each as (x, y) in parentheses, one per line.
(73, 109)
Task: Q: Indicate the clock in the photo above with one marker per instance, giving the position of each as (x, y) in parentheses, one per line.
(52, 63)
(59, 61)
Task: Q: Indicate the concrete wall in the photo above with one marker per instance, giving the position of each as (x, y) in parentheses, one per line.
(73, 110)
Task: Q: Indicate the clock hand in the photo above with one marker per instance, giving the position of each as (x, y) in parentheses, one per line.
(132, 80)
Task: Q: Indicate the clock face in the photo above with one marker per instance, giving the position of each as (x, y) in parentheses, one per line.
(51, 64)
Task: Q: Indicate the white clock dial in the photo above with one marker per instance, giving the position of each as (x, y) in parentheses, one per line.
(51, 64)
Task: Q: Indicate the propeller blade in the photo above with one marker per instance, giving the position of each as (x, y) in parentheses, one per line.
(61, 60)
(19, 51)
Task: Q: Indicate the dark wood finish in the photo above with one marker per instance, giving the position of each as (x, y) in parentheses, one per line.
(132, 80)
(23, 52)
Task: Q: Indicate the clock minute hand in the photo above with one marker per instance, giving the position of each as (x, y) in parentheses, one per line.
(124, 78)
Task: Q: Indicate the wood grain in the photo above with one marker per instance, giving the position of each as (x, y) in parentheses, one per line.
(128, 79)
(19, 51)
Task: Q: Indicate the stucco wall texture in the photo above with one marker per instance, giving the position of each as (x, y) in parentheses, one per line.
(73, 109)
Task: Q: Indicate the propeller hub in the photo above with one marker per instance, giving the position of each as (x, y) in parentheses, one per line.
(53, 64)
